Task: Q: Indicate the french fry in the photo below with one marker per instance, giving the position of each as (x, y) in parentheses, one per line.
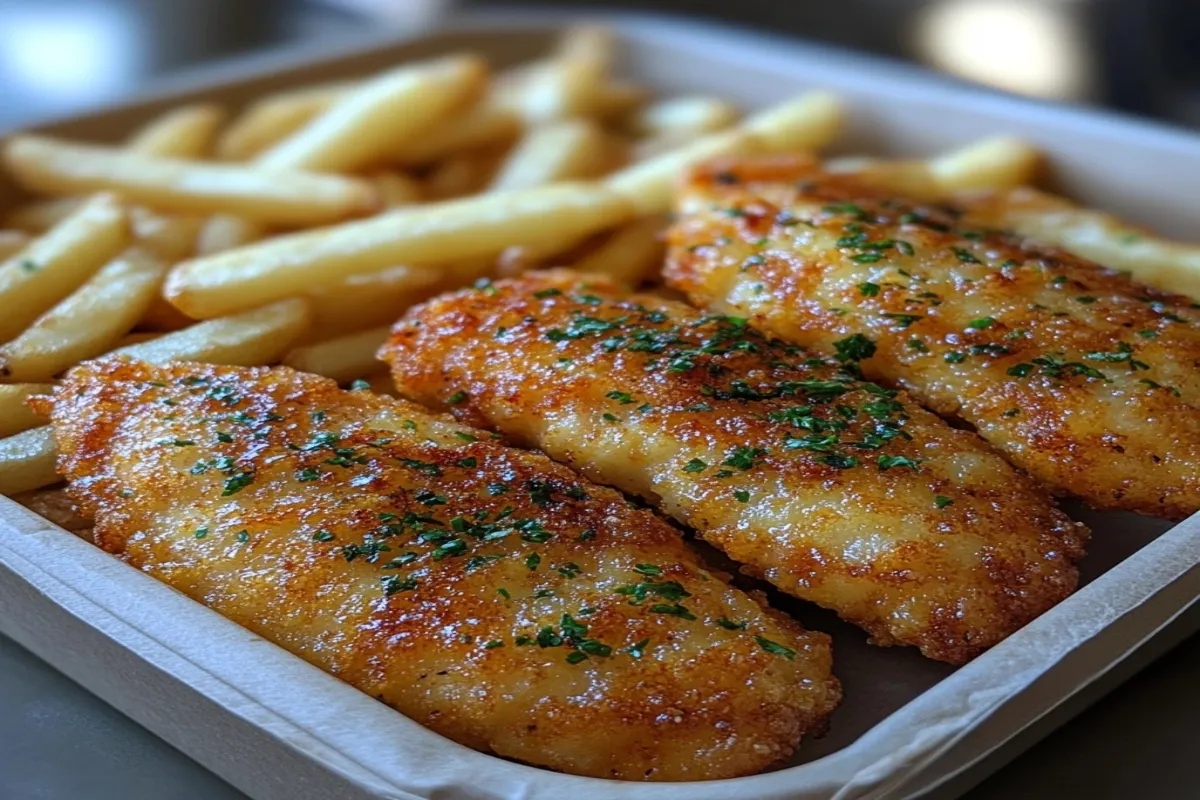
(1094, 235)
(274, 118)
(804, 123)
(631, 254)
(437, 233)
(396, 189)
(57, 263)
(184, 132)
(260, 336)
(162, 316)
(617, 99)
(688, 114)
(168, 236)
(40, 216)
(15, 416)
(482, 125)
(88, 322)
(379, 298)
(999, 163)
(51, 166)
(567, 150)
(222, 232)
(907, 177)
(344, 358)
(650, 184)
(381, 114)
(807, 122)
(570, 83)
(459, 176)
(12, 242)
(137, 337)
(27, 461)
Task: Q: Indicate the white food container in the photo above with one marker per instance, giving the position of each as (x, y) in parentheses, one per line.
(278, 728)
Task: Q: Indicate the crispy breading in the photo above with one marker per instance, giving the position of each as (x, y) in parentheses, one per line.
(486, 592)
(834, 489)
(1079, 376)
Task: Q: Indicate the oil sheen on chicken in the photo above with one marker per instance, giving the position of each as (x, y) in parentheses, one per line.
(486, 592)
(834, 489)
(1082, 378)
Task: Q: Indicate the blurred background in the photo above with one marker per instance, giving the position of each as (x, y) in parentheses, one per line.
(1139, 56)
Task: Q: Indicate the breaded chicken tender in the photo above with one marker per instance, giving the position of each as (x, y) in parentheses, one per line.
(833, 488)
(1079, 376)
(485, 592)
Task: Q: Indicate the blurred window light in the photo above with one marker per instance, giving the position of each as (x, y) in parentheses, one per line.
(1022, 46)
(60, 56)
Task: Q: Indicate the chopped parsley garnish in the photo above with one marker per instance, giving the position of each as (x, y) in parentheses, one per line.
(941, 501)
(532, 561)
(982, 323)
(741, 496)
(675, 610)
(730, 625)
(622, 397)
(322, 536)
(457, 398)
(235, 483)
(308, 474)
(743, 457)
(903, 320)
(855, 347)
(394, 583)
(886, 462)
(774, 648)
(639, 648)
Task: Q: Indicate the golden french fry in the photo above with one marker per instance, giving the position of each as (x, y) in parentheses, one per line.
(650, 184)
(482, 125)
(12, 242)
(908, 177)
(88, 322)
(184, 132)
(27, 461)
(52, 166)
(57, 263)
(437, 233)
(396, 189)
(631, 254)
(687, 114)
(380, 115)
(168, 236)
(162, 316)
(569, 84)
(344, 358)
(39, 216)
(1094, 235)
(254, 337)
(806, 122)
(998, 163)
(222, 232)
(15, 416)
(274, 118)
(617, 99)
(567, 150)
(379, 298)
(137, 337)
(459, 176)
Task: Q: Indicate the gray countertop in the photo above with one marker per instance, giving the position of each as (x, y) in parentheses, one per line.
(57, 742)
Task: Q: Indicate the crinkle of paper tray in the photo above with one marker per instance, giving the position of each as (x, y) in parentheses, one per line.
(278, 728)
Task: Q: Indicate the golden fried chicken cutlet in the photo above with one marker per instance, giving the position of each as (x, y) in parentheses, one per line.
(486, 592)
(1082, 378)
(834, 489)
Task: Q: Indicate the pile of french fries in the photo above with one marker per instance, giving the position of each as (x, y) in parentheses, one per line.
(297, 231)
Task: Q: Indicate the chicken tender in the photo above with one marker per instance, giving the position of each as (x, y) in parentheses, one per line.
(1080, 377)
(486, 592)
(834, 489)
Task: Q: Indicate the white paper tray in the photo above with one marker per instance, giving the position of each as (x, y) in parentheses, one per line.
(278, 728)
